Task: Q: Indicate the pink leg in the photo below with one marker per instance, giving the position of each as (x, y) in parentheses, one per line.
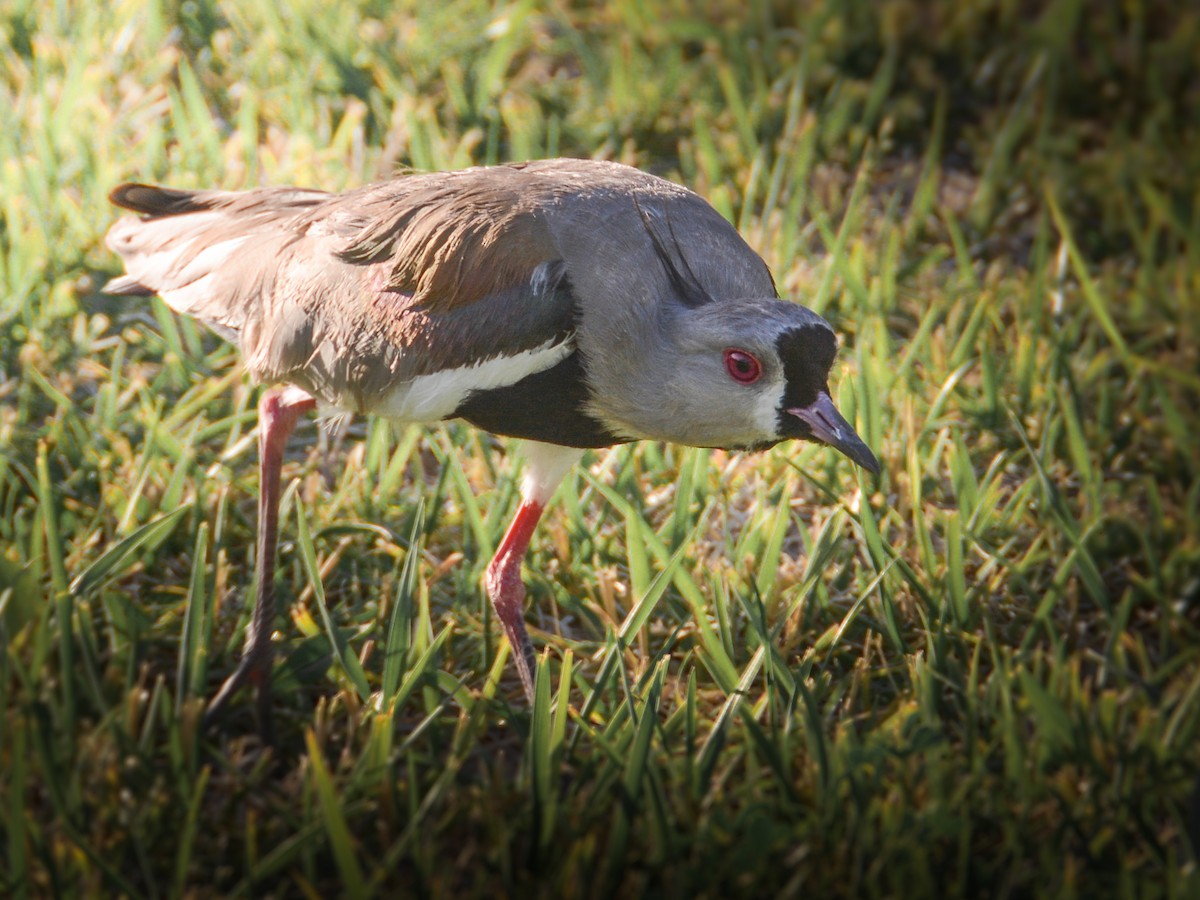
(508, 593)
(545, 468)
(278, 411)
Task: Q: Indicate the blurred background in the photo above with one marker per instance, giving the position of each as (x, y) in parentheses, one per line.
(978, 675)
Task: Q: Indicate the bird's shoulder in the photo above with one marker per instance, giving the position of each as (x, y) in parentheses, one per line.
(445, 239)
(450, 239)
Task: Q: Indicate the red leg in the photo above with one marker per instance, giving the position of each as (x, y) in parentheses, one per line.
(278, 411)
(545, 468)
(508, 593)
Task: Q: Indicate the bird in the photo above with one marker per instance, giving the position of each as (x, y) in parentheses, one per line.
(571, 303)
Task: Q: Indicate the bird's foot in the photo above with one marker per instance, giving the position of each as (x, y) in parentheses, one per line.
(254, 669)
(508, 598)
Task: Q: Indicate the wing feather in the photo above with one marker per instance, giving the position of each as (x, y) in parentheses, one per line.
(351, 294)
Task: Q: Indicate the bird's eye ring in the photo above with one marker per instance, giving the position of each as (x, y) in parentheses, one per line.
(742, 367)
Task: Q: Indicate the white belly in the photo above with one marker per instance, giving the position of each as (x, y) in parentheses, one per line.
(429, 398)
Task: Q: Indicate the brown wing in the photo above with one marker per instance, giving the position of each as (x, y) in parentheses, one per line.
(350, 294)
(449, 239)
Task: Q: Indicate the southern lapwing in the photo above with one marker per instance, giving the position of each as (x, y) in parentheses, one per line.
(569, 302)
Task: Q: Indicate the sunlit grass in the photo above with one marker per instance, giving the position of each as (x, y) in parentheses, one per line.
(772, 674)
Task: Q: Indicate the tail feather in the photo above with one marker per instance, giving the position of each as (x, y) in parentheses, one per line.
(124, 285)
(151, 200)
(161, 255)
(202, 251)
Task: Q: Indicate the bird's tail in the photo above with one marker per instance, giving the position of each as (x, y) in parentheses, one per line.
(158, 246)
(201, 251)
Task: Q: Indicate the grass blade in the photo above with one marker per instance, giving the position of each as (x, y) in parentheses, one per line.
(347, 659)
(334, 821)
(400, 620)
(187, 835)
(192, 672)
(117, 558)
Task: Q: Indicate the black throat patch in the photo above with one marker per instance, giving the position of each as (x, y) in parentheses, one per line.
(807, 355)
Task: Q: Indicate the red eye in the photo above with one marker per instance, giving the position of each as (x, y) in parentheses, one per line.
(742, 367)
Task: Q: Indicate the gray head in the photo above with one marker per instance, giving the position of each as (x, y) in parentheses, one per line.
(742, 374)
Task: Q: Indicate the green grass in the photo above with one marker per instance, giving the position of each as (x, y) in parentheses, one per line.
(762, 675)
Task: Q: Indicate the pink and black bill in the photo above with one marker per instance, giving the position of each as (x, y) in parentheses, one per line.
(828, 426)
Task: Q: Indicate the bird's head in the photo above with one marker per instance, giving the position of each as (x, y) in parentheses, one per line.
(742, 374)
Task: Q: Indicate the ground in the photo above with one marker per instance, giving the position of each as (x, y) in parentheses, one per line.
(978, 675)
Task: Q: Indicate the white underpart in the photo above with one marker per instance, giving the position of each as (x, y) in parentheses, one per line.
(190, 289)
(195, 280)
(545, 467)
(188, 298)
(428, 398)
(153, 251)
(211, 258)
(131, 237)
